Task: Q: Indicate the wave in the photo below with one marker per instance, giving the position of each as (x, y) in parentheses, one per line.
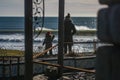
(16, 41)
(78, 28)
(11, 37)
(45, 29)
(20, 38)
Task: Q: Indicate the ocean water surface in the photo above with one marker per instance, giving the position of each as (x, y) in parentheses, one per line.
(12, 31)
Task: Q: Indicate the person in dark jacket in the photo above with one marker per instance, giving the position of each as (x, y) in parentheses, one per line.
(48, 41)
(69, 31)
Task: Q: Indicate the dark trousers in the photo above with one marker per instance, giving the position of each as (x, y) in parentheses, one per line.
(48, 46)
(67, 46)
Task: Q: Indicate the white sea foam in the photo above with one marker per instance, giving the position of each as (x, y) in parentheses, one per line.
(83, 28)
(45, 29)
(16, 40)
(78, 28)
(11, 37)
(19, 37)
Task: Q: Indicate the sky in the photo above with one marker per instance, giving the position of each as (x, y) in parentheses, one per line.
(75, 7)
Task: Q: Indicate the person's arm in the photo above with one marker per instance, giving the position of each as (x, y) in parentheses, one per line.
(74, 29)
(44, 41)
(53, 36)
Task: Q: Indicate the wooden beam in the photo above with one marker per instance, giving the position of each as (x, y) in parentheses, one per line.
(67, 67)
(42, 53)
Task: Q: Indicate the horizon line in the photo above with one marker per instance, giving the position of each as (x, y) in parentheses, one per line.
(45, 16)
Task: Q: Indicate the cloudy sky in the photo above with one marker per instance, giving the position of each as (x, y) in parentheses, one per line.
(75, 7)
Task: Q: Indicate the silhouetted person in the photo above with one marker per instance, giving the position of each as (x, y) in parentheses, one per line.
(48, 41)
(69, 31)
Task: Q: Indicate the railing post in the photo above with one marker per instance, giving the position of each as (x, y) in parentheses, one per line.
(18, 68)
(3, 68)
(10, 67)
(28, 40)
(60, 37)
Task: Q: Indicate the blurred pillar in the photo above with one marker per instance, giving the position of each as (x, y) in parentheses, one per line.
(60, 36)
(28, 40)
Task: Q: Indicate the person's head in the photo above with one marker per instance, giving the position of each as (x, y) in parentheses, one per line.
(48, 33)
(68, 15)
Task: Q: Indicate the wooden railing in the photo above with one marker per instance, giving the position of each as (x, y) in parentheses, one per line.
(7, 62)
(6, 67)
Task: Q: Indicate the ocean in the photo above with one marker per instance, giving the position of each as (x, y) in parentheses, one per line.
(12, 31)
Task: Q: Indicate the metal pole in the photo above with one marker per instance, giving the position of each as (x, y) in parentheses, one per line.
(43, 13)
(28, 40)
(60, 36)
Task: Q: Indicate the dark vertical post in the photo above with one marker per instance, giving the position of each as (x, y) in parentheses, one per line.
(43, 13)
(28, 40)
(18, 68)
(3, 68)
(10, 67)
(60, 36)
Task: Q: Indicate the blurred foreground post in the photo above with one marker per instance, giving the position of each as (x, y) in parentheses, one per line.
(28, 40)
(60, 37)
